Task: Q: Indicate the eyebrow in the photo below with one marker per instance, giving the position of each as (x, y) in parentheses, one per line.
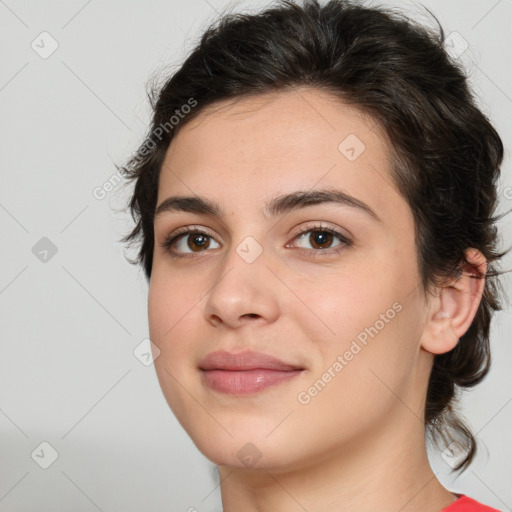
(276, 206)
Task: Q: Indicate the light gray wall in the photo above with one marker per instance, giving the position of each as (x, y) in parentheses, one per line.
(70, 324)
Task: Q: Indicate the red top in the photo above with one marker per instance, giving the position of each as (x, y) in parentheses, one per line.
(465, 504)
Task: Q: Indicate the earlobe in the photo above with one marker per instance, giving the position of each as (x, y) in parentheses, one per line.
(456, 305)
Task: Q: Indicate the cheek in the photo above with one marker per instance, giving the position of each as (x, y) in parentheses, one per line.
(370, 315)
(173, 306)
(338, 305)
(173, 309)
(365, 373)
(172, 301)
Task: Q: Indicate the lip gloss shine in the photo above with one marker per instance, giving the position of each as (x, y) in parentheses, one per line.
(242, 382)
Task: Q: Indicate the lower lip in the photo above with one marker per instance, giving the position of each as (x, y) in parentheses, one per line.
(244, 382)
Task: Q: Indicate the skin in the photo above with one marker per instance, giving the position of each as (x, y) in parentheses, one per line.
(359, 443)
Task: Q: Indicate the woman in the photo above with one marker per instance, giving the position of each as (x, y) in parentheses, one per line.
(314, 203)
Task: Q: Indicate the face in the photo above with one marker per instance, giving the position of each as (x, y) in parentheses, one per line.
(327, 284)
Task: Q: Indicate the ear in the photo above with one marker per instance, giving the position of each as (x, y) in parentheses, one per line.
(452, 311)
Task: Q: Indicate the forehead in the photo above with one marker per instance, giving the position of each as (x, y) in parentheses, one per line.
(291, 117)
(277, 142)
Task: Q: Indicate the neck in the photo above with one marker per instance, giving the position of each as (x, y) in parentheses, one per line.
(378, 471)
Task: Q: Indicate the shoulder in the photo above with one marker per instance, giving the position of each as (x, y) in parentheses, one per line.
(467, 504)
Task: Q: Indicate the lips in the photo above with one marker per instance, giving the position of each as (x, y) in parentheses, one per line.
(249, 360)
(245, 372)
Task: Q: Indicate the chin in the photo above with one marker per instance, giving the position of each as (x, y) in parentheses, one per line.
(248, 456)
(248, 448)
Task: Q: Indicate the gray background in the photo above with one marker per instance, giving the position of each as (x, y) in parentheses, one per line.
(70, 323)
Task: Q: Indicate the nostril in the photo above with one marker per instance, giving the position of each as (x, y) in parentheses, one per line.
(215, 320)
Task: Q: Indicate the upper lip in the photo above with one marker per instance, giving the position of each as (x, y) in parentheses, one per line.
(248, 360)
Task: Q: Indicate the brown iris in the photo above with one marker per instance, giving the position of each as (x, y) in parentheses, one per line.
(320, 238)
(201, 241)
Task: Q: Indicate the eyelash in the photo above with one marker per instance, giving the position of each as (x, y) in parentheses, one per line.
(345, 242)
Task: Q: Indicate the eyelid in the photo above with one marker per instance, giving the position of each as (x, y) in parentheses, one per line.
(192, 228)
(321, 226)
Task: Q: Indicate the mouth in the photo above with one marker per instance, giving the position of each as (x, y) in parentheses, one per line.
(245, 373)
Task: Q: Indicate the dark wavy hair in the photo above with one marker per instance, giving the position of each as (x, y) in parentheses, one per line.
(446, 155)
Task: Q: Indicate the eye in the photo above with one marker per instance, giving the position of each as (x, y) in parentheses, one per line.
(192, 240)
(321, 238)
(188, 241)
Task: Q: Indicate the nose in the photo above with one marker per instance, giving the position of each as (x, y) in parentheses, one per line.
(243, 292)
